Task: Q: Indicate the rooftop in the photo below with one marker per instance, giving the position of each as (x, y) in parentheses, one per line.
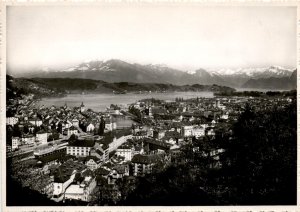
(146, 159)
(82, 143)
(74, 189)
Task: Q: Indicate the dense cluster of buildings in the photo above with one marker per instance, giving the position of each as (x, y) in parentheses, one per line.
(79, 148)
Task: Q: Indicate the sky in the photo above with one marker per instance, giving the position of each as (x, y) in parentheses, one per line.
(184, 37)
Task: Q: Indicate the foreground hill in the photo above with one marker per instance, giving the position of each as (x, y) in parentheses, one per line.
(16, 87)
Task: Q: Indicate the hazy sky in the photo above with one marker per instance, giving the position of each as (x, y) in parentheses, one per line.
(185, 37)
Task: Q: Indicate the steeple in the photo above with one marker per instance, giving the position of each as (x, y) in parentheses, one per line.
(82, 108)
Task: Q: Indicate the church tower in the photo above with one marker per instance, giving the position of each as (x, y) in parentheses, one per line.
(82, 108)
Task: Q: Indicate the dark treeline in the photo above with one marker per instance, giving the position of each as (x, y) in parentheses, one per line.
(67, 83)
(254, 163)
(291, 93)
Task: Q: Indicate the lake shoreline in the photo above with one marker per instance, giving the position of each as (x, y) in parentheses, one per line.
(99, 102)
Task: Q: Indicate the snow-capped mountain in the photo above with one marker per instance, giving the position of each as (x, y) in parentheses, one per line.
(273, 82)
(121, 71)
(238, 77)
(272, 71)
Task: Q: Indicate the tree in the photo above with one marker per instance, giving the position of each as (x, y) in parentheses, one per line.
(260, 160)
(72, 138)
(50, 138)
(9, 134)
(26, 129)
(59, 127)
(136, 112)
(55, 135)
(28, 176)
(16, 131)
(101, 126)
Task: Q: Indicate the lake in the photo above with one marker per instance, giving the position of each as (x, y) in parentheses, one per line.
(99, 102)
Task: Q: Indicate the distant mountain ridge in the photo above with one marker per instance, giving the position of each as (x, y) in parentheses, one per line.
(120, 71)
(47, 87)
(273, 82)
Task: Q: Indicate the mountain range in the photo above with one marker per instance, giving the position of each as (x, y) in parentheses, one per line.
(273, 82)
(272, 77)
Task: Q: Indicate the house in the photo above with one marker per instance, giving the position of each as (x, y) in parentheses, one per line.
(49, 156)
(100, 152)
(81, 191)
(72, 131)
(198, 131)
(90, 128)
(11, 120)
(210, 131)
(80, 147)
(213, 123)
(190, 131)
(159, 133)
(138, 149)
(30, 128)
(224, 116)
(172, 137)
(67, 124)
(143, 164)
(110, 124)
(27, 139)
(63, 177)
(41, 137)
(187, 131)
(93, 162)
(8, 148)
(153, 146)
(125, 152)
(36, 122)
(118, 172)
(140, 134)
(75, 122)
(15, 143)
(113, 176)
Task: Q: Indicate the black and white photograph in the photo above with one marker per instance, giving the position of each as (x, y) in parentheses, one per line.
(149, 104)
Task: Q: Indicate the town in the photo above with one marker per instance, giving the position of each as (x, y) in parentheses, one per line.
(77, 154)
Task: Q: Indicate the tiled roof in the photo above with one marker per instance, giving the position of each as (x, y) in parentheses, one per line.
(91, 157)
(72, 128)
(74, 189)
(120, 169)
(156, 142)
(101, 171)
(51, 157)
(146, 159)
(82, 143)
